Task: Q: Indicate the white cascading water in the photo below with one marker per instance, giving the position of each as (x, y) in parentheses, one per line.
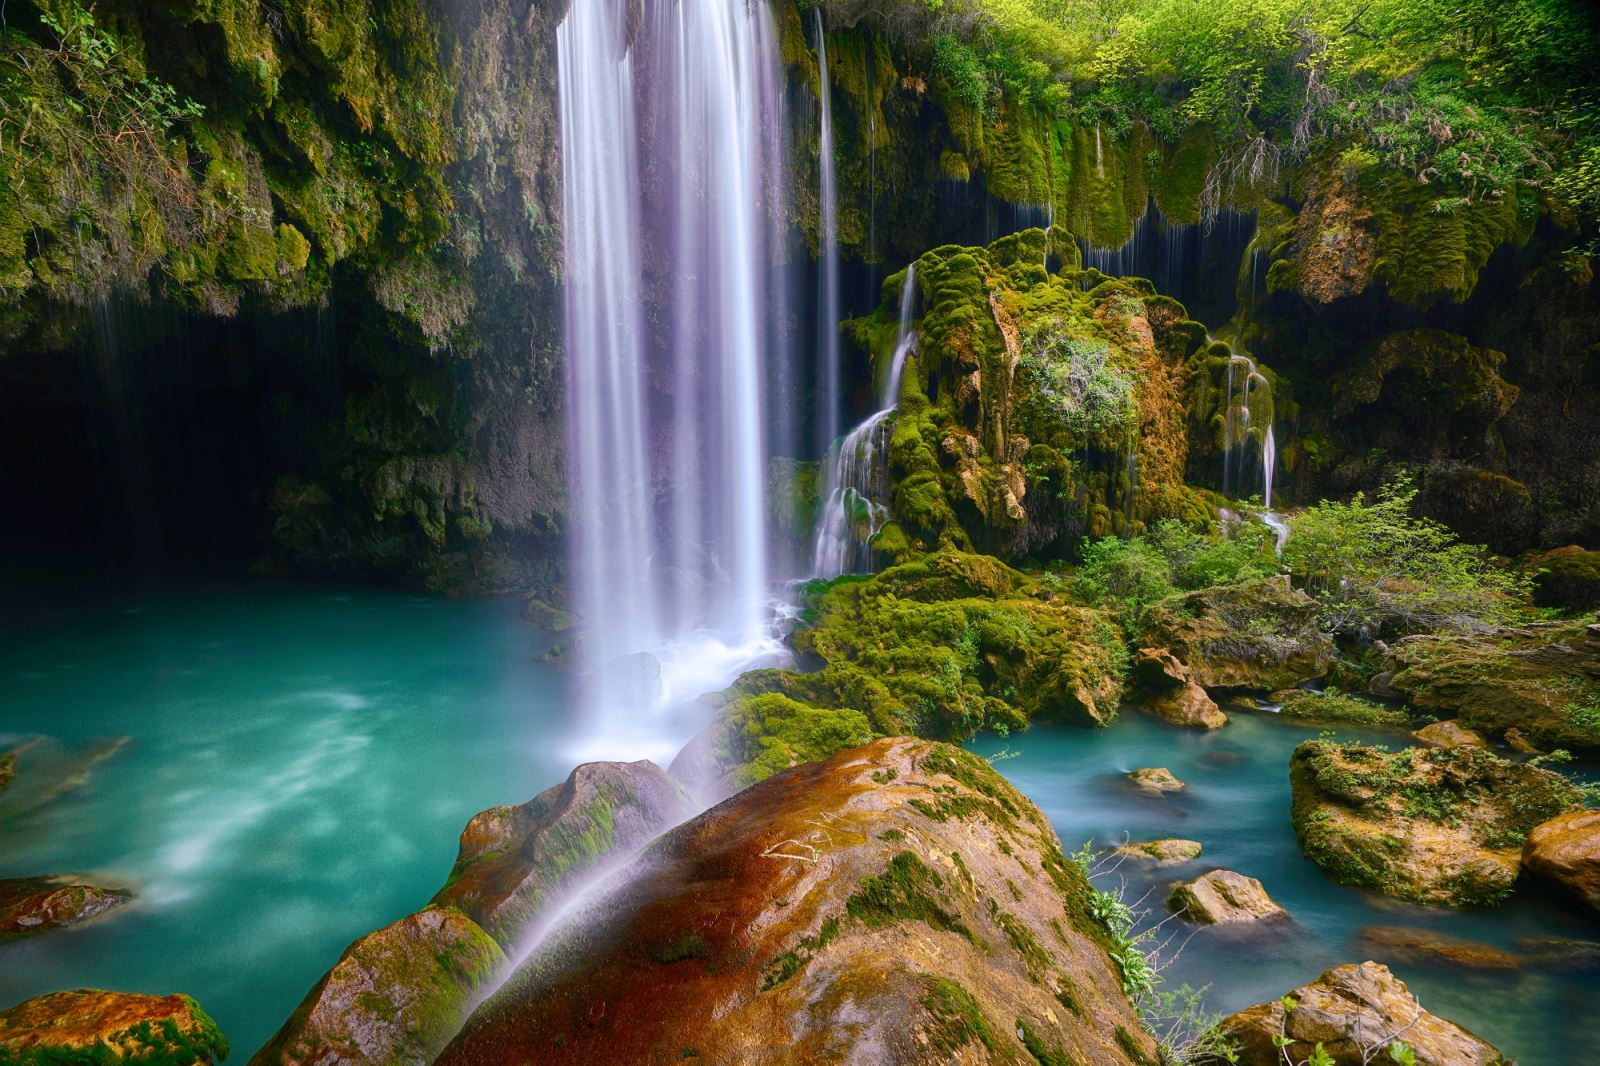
(855, 483)
(664, 149)
(829, 374)
(1240, 424)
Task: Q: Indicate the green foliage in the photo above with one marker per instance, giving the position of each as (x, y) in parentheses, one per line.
(1129, 575)
(1375, 569)
(1076, 377)
(774, 732)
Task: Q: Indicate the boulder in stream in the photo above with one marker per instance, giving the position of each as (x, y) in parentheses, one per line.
(31, 905)
(1260, 635)
(1155, 780)
(1223, 897)
(1169, 851)
(1450, 734)
(1565, 852)
(1422, 946)
(898, 903)
(90, 1026)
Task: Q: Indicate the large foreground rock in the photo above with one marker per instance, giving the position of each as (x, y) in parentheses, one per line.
(1440, 826)
(70, 1027)
(514, 860)
(1565, 852)
(396, 995)
(1259, 635)
(30, 905)
(399, 994)
(898, 903)
(1355, 1012)
(1542, 680)
(1223, 897)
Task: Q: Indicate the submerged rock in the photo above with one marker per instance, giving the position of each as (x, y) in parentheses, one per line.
(30, 905)
(1565, 852)
(1354, 1012)
(1400, 944)
(1437, 826)
(1169, 851)
(395, 996)
(87, 1025)
(1223, 897)
(514, 861)
(898, 903)
(1542, 680)
(8, 769)
(1155, 780)
(1451, 734)
(1259, 635)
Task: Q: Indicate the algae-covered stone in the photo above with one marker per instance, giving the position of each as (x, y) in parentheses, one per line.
(1567, 578)
(1565, 852)
(30, 905)
(1412, 946)
(1223, 897)
(395, 996)
(1353, 1013)
(1155, 780)
(1438, 826)
(515, 862)
(1542, 679)
(898, 903)
(1308, 705)
(1258, 635)
(1170, 691)
(1451, 734)
(1169, 851)
(88, 1025)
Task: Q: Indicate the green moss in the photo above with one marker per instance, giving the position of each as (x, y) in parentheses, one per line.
(792, 961)
(690, 944)
(1331, 705)
(1043, 1052)
(158, 1043)
(907, 890)
(957, 1020)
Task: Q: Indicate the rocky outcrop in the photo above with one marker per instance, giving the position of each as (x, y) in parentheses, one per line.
(1259, 635)
(1171, 693)
(31, 905)
(1565, 852)
(1354, 1013)
(1542, 679)
(1167, 852)
(1399, 944)
(1437, 826)
(1155, 780)
(87, 1025)
(514, 861)
(1308, 705)
(1451, 734)
(1567, 578)
(395, 996)
(898, 903)
(1223, 897)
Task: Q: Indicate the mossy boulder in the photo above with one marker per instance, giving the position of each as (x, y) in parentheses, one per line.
(1450, 734)
(899, 902)
(1329, 705)
(395, 996)
(1223, 897)
(1155, 780)
(1565, 852)
(1348, 1012)
(515, 863)
(1260, 635)
(1168, 851)
(1541, 679)
(1411, 947)
(31, 905)
(1566, 578)
(87, 1025)
(1437, 826)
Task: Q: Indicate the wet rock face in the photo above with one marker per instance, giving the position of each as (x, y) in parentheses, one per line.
(515, 860)
(1541, 679)
(30, 905)
(1565, 852)
(396, 995)
(72, 1027)
(1436, 826)
(1354, 1012)
(1170, 691)
(1259, 635)
(1223, 897)
(1451, 734)
(898, 903)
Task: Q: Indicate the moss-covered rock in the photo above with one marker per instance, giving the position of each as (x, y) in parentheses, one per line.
(1540, 679)
(900, 902)
(1329, 705)
(395, 996)
(1565, 852)
(1567, 578)
(31, 905)
(1437, 826)
(515, 862)
(1259, 635)
(87, 1025)
(1166, 852)
(1223, 897)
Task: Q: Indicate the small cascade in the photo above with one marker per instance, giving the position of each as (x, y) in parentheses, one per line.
(830, 383)
(1197, 264)
(1248, 423)
(856, 473)
(1099, 159)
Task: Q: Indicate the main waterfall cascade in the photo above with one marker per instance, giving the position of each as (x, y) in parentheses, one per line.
(829, 359)
(668, 151)
(855, 485)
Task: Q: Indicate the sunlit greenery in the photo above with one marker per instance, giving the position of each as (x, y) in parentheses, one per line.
(1130, 574)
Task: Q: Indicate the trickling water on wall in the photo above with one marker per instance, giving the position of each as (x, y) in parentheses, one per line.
(855, 483)
(665, 199)
(1197, 264)
(829, 384)
(1250, 452)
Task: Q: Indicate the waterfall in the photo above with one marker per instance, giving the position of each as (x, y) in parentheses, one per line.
(855, 484)
(830, 381)
(666, 202)
(1246, 422)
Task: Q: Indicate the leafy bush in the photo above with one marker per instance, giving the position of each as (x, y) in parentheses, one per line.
(1377, 570)
(1074, 376)
(1130, 575)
